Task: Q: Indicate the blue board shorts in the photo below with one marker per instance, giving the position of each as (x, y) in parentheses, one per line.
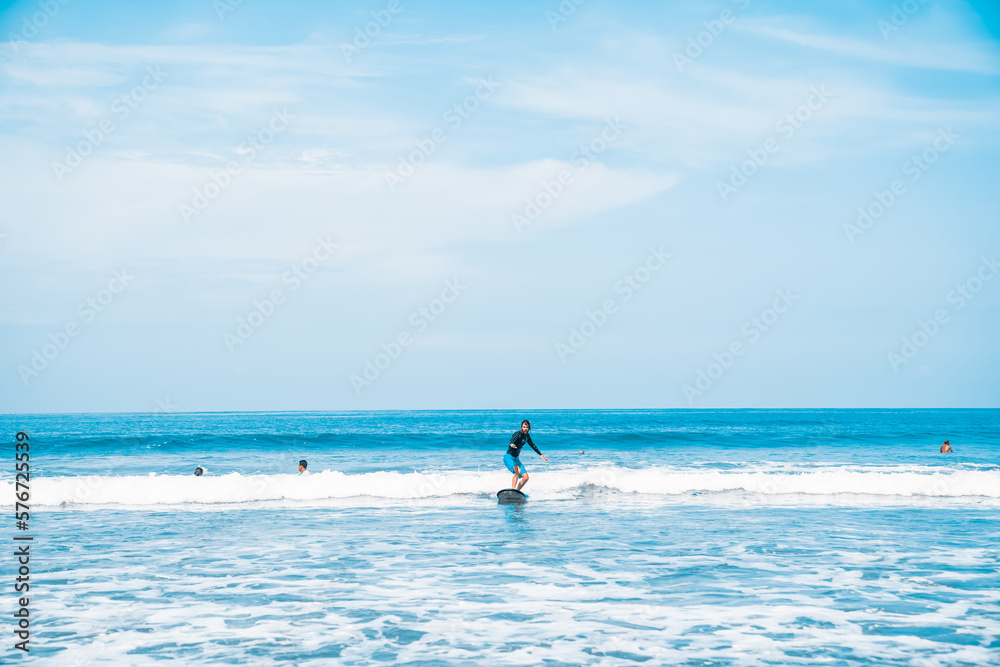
(510, 462)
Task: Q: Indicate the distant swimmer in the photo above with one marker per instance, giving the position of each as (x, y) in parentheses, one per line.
(512, 459)
(303, 464)
(946, 448)
(199, 471)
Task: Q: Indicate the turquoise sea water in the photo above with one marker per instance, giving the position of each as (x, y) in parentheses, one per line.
(675, 537)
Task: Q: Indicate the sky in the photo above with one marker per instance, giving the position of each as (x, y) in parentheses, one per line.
(225, 205)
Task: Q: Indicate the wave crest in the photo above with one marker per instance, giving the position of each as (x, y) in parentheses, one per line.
(549, 484)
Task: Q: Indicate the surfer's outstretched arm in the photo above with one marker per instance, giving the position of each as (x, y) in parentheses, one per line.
(533, 446)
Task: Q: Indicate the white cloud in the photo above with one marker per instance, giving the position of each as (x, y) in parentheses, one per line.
(120, 208)
(933, 41)
(299, 58)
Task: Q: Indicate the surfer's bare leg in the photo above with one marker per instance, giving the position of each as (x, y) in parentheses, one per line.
(517, 474)
(524, 480)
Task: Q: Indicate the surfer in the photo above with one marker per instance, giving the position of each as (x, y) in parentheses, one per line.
(199, 471)
(303, 464)
(946, 448)
(512, 458)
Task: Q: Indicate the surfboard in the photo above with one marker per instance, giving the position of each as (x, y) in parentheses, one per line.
(511, 497)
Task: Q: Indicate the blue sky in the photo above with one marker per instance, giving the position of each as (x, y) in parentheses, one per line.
(169, 101)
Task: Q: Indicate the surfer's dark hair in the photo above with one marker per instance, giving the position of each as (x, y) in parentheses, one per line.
(199, 471)
(304, 463)
(526, 422)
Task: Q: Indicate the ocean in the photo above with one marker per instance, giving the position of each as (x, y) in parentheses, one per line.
(660, 537)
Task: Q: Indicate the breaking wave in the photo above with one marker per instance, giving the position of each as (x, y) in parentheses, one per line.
(548, 485)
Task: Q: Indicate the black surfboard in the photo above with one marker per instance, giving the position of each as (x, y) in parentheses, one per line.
(511, 497)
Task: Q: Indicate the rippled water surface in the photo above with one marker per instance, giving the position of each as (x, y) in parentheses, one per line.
(693, 538)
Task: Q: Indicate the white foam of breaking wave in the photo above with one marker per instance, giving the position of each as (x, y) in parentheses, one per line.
(545, 484)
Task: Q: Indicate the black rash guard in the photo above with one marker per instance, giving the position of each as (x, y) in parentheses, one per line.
(517, 443)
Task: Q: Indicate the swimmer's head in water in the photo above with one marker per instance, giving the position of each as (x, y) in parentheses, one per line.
(525, 423)
(199, 471)
(303, 464)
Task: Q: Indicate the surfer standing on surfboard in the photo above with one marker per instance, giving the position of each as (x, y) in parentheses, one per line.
(512, 458)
